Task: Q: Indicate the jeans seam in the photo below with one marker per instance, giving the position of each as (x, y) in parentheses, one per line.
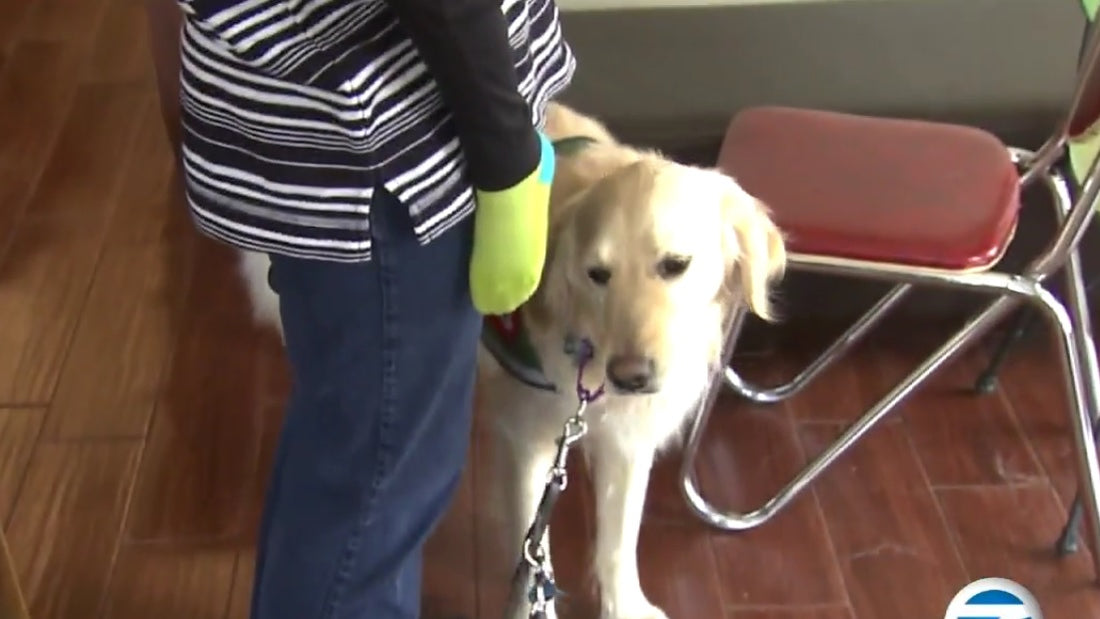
(387, 401)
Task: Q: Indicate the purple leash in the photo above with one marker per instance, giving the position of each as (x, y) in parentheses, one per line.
(584, 355)
(540, 591)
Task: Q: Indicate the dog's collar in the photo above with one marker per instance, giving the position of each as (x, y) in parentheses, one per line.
(508, 340)
(572, 145)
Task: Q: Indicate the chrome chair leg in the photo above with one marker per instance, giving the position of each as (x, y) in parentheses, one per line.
(1079, 376)
(735, 521)
(987, 381)
(835, 351)
(1069, 539)
(1061, 194)
(1078, 311)
(1077, 297)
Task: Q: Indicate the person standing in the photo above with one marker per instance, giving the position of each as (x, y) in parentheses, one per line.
(387, 155)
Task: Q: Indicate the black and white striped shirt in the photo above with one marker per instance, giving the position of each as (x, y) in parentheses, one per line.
(296, 111)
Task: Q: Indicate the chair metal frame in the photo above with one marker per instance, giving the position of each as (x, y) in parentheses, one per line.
(1026, 317)
(1011, 290)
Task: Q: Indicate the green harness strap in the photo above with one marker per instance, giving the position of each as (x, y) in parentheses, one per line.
(567, 147)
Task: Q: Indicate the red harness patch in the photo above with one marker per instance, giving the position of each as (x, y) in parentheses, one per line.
(506, 338)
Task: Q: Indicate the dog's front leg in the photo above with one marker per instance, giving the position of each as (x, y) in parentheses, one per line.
(622, 476)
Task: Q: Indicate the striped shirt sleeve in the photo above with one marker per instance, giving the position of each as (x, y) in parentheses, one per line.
(465, 45)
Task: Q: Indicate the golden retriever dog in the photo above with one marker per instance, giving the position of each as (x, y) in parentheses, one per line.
(647, 259)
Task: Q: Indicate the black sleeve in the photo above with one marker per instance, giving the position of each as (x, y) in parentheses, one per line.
(465, 45)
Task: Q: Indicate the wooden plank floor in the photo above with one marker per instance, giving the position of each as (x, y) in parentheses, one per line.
(138, 408)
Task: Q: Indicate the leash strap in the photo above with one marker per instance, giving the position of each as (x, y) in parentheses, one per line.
(533, 579)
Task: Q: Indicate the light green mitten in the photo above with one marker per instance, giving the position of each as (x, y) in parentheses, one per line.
(510, 236)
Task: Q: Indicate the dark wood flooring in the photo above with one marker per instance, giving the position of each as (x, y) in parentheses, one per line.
(138, 408)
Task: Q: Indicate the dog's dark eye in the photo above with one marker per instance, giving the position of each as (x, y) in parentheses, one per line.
(599, 275)
(673, 266)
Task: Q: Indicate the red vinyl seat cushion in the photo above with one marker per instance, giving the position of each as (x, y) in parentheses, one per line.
(883, 190)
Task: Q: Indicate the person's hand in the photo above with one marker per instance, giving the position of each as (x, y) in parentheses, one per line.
(510, 236)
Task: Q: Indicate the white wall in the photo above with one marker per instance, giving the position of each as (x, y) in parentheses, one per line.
(600, 5)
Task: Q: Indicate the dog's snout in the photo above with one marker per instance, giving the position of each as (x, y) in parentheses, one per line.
(632, 373)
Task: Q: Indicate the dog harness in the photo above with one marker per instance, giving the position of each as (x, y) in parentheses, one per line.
(572, 145)
(506, 337)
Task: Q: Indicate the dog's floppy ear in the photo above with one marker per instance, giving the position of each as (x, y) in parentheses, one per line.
(754, 246)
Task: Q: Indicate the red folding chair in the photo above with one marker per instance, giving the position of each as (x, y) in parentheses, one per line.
(914, 203)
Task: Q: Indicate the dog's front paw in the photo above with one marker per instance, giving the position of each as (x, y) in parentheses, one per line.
(639, 610)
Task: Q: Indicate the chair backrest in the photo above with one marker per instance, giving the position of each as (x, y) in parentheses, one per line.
(1082, 121)
(1084, 110)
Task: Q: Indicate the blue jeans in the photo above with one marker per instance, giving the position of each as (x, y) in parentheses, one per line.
(383, 360)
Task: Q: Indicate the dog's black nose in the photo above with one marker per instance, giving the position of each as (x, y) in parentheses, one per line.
(632, 373)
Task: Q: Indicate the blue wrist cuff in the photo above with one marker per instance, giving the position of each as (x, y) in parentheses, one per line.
(546, 160)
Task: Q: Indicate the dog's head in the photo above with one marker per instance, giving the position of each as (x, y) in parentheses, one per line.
(647, 263)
